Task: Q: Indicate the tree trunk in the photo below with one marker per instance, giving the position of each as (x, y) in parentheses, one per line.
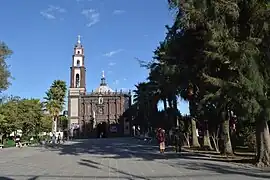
(170, 103)
(54, 125)
(227, 145)
(206, 140)
(186, 140)
(195, 141)
(215, 138)
(175, 102)
(263, 144)
(1, 138)
(164, 104)
(215, 141)
(175, 111)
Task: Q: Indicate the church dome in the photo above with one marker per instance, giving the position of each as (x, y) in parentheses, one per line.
(103, 87)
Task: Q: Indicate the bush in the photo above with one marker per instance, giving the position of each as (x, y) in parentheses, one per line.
(248, 138)
(250, 141)
(9, 143)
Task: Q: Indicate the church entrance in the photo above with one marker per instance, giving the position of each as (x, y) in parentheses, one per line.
(102, 130)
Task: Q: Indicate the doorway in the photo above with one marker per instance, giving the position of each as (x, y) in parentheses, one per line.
(102, 130)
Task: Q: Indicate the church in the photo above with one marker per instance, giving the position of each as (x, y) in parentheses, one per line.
(100, 113)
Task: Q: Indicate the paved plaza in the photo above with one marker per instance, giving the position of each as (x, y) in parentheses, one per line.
(115, 159)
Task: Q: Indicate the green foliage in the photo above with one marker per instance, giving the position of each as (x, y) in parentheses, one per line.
(30, 114)
(216, 56)
(246, 135)
(63, 121)
(22, 114)
(46, 122)
(9, 121)
(5, 52)
(9, 143)
(142, 103)
(55, 98)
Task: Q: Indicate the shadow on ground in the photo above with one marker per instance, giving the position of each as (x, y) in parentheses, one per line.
(108, 177)
(140, 150)
(129, 147)
(223, 169)
(6, 178)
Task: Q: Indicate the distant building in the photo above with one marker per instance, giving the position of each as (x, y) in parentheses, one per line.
(98, 112)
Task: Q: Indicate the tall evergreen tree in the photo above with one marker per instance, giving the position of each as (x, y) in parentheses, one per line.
(230, 41)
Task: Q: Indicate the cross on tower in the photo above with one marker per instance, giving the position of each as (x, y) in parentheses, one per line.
(79, 39)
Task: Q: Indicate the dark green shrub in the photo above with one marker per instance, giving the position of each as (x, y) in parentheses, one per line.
(9, 143)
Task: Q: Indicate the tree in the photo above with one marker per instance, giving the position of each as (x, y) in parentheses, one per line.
(30, 115)
(5, 52)
(63, 122)
(9, 112)
(141, 102)
(55, 100)
(216, 56)
(22, 114)
(46, 123)
(231, 54)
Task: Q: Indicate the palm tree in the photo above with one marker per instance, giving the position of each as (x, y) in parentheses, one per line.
(165, 76)
(55, 101)
(141, 102)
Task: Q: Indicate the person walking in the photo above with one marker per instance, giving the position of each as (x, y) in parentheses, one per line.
(53, 139)
(177, 141)
(59, 138)
(161, 139)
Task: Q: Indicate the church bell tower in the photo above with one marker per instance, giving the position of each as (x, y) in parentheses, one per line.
(77, 85)
(77, 76)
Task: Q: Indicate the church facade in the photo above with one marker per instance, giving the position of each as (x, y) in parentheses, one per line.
(97, 113)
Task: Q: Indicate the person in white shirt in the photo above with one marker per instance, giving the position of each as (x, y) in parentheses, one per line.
(53, 139)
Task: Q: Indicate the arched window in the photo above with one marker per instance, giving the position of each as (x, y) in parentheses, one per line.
(78, 63)
(78, 52)
(100, 100)
(77, 80)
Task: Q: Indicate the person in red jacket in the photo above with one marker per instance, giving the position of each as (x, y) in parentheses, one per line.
(161, 139)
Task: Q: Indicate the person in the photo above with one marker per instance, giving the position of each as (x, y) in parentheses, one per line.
(18, 141)
(64, 138)
(177, 141)
(71, 132)
(101, 135)
(53, 139)
(59, 138)
(171, 136)
(161, 139)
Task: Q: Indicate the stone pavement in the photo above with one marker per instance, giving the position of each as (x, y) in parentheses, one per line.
(115, 159)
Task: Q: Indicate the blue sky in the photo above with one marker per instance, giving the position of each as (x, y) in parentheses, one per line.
(114, 33)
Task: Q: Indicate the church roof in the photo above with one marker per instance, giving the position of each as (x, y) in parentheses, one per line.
(103, 87)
